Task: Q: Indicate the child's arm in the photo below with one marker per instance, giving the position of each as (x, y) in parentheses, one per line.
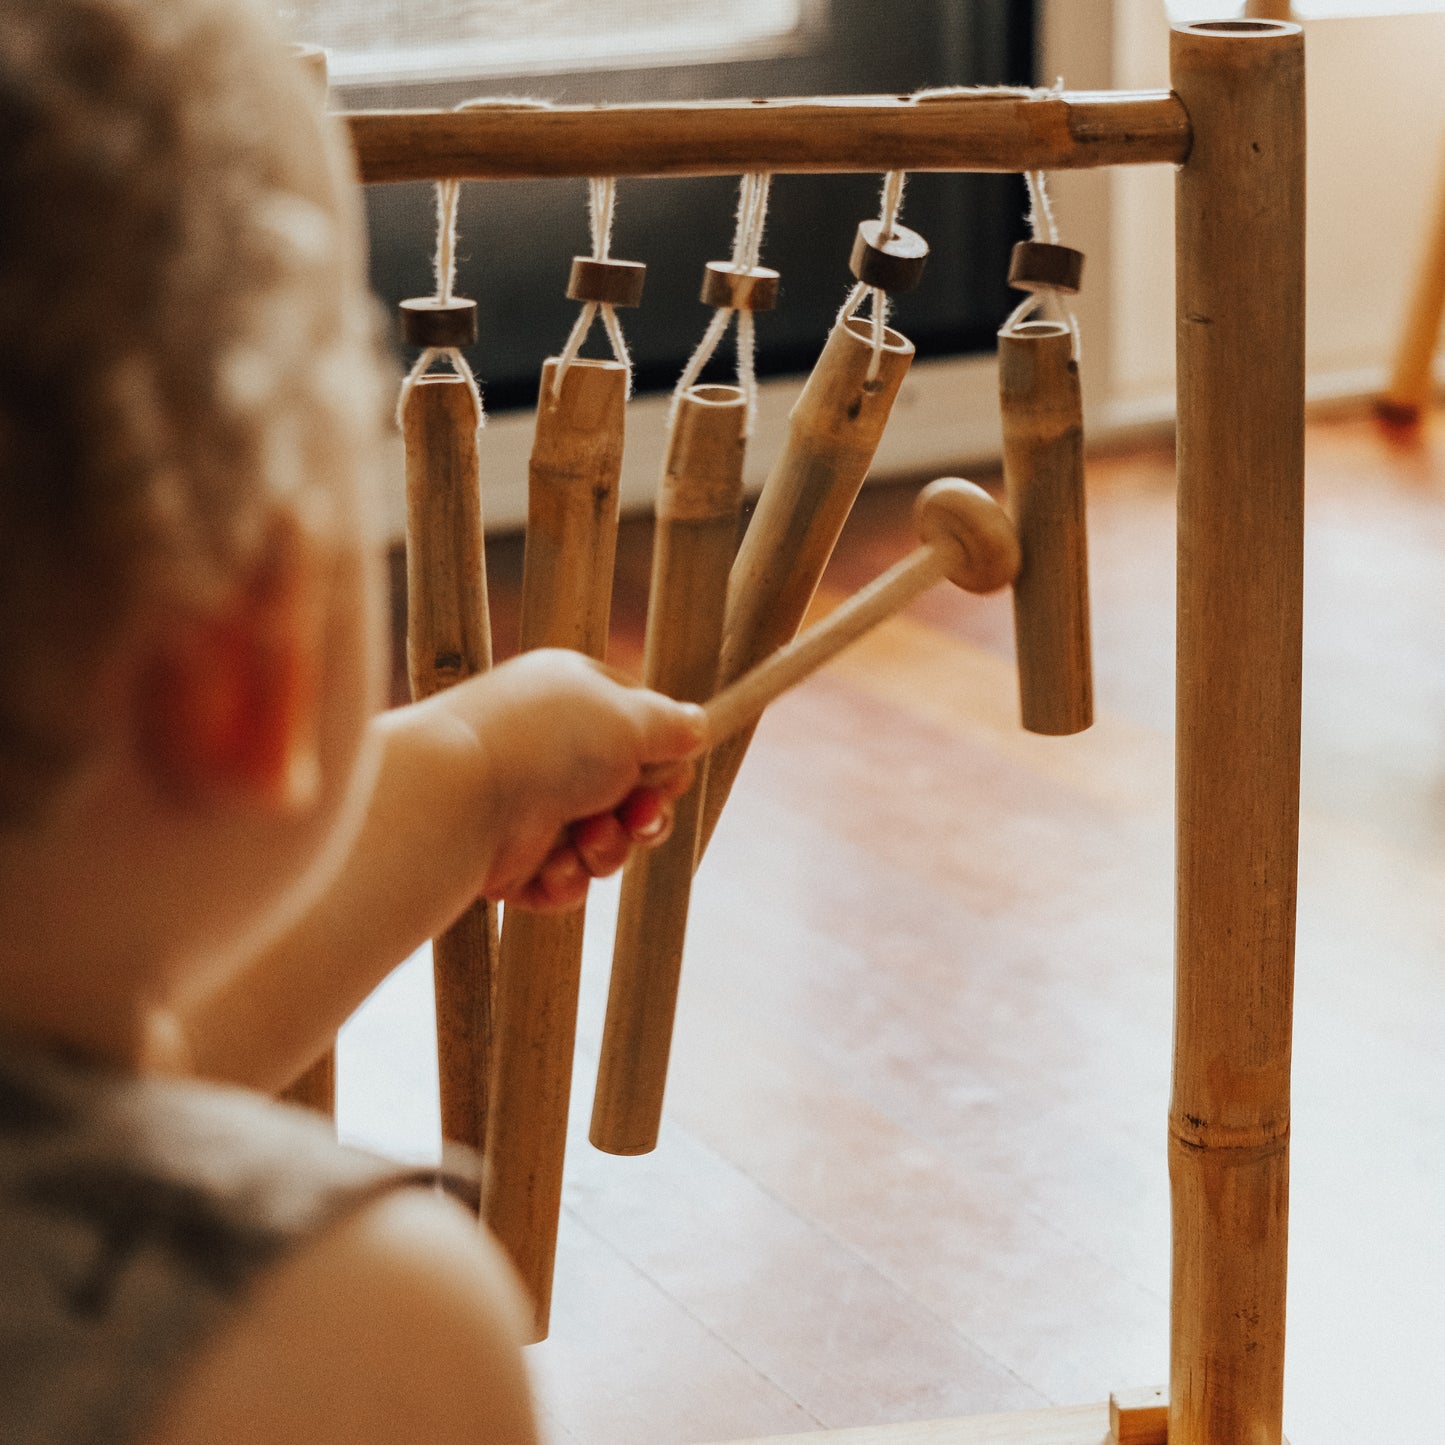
(520, 785)
(403, 1323)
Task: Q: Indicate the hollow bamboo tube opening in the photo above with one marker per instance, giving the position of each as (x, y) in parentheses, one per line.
(697, 519)
(1240, 328)
(448, 639)
(833, 433)
(566, 602)
(1043, 469)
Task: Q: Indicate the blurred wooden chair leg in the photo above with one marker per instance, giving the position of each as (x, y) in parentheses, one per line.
(1410, 384)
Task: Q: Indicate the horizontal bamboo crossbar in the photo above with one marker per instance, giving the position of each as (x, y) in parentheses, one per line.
(981, 130)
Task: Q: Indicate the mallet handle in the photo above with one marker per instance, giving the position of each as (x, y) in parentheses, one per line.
(741, 703)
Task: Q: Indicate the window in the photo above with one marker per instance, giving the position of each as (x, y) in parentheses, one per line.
(399, 40)
(1180, 10)
(517, 237)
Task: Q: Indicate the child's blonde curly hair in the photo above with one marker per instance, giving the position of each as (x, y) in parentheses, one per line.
(185, 343)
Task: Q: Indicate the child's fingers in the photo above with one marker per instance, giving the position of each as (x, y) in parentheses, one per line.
(561, 882)
(602, 843)
(645, 816)
(669, 780)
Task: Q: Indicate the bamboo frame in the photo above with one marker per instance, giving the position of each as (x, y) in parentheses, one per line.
(960, 131)
(1234, 128)
(1239, 294)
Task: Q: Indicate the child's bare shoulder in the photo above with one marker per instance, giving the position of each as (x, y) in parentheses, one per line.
(400, 1323)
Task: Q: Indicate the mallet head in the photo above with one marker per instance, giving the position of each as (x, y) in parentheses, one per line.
(971, 531)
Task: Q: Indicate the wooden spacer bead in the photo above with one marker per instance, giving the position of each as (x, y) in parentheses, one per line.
(427, 322)
(615, 283)
(892, 263)
(1041, 266)
(741, 289)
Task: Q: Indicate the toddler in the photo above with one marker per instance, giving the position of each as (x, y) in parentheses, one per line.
(212, 847)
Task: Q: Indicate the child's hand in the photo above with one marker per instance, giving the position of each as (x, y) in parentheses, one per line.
(578, 766)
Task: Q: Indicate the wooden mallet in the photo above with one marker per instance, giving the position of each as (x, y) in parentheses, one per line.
(967, 539)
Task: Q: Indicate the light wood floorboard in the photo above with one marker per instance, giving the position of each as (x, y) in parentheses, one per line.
(913, 1160)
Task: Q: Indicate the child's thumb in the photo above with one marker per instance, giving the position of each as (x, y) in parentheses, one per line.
(670, 730)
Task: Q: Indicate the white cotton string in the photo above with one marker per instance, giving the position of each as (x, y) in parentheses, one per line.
(444, 265)
(889, 205)
(449, 194)
(444, 269)
(892, 201)
(752, 216)
(1041, 212)
(1044, 227)
(601, 213)
(703, 354)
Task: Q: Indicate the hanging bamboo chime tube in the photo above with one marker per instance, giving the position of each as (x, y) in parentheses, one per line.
(833, 433)
(571, 547)
(316, 1088)
(449, 639)
(693, 548)
(1043, 469)
(1240, 328)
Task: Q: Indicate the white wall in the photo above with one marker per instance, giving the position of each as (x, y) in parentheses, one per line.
(1377, 149)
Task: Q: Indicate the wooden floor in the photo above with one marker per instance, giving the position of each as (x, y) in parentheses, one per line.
(913, 1163)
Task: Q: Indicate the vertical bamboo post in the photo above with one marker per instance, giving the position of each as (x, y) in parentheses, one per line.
(316, 1088)
(833, 433)
(1043, 469)
(571, 547)
(1240, 329)
(449, 639)
(697, 521)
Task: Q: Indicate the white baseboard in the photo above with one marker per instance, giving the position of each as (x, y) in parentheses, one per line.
(944, 421)
(945, 418)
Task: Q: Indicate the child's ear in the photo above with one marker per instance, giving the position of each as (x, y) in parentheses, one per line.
(229, 699)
